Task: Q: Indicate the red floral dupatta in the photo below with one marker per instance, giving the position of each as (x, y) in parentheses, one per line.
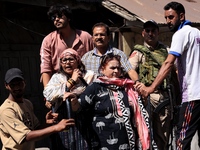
(141, 116)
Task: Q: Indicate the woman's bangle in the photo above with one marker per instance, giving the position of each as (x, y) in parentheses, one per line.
(71, 81)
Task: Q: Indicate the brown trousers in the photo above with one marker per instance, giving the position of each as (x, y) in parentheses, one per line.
(161, 122)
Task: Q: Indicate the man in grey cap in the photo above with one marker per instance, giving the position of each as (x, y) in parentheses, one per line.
(19, 127)
(147, 59)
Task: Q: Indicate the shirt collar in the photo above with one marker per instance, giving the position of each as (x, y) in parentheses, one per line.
(150, 47)
(109, 50)
(186, 22)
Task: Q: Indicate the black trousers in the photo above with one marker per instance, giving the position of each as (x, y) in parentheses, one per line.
(188, 124)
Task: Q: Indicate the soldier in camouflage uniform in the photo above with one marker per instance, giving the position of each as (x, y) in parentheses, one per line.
(146, 60)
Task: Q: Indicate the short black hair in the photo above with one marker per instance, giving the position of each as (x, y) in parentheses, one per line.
(178, 7)
(101, 24)
(60, 9)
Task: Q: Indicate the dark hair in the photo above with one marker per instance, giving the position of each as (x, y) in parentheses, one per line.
(59, 10)
(101, 24)
(107, 58)
(178, 7)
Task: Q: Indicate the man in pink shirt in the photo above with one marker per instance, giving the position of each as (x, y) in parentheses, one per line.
(57, 41)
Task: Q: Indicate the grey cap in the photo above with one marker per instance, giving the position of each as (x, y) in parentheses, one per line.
(13, 73)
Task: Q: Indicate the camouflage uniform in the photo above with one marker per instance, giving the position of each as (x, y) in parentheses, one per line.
(147, 62)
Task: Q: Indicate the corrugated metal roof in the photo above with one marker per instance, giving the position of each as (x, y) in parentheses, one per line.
(151, 9)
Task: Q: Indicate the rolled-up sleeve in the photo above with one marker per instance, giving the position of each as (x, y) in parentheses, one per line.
(136, 58)
(45, 55)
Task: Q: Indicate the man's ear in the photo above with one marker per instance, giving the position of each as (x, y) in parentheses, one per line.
(6, 85)
(142, 33)
(24, 83)
(182, 17)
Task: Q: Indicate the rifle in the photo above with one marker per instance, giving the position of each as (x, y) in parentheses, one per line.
(170, 101)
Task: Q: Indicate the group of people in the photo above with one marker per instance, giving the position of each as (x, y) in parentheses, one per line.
(101, 99)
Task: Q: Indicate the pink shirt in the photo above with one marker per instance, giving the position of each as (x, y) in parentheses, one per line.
(53, 45)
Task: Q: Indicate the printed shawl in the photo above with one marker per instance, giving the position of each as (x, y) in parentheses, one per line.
(141, 117)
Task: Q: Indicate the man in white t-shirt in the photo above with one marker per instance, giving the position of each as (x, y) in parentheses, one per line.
(185, 47)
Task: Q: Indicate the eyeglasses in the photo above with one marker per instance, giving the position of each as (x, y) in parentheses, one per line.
(53, 18)
(64, 60)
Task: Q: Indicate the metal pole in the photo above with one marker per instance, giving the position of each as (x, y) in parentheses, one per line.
(71, 129)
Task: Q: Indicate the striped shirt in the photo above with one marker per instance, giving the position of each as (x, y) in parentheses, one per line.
(91, 59)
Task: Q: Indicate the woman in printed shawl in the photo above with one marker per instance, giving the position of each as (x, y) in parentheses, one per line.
(118, 114)
(72, 77)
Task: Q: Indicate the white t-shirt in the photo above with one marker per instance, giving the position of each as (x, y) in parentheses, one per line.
(186, 45)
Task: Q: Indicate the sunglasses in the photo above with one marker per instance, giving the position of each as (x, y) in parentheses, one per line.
(53, 18)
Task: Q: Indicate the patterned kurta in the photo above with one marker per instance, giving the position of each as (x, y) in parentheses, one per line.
(108, 121)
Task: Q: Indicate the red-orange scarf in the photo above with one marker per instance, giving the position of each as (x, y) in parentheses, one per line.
(141, 125)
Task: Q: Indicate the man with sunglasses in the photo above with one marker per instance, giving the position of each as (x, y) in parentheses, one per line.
(65, 36)
(147, 59)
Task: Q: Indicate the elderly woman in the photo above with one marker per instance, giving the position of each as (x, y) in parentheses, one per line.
(72, 77)
(117, 111)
